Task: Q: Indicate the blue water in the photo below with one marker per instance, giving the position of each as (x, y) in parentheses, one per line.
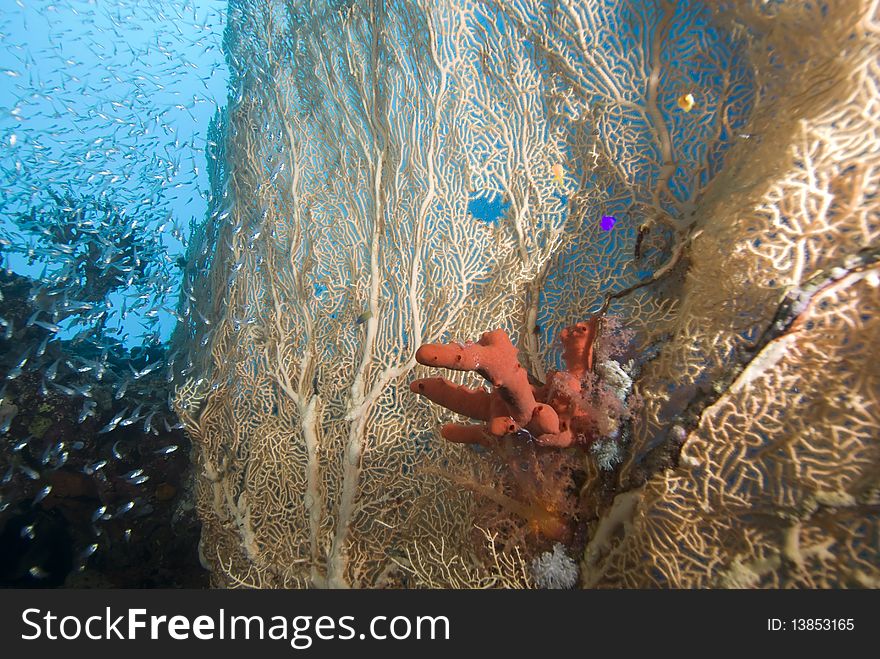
(109, 102)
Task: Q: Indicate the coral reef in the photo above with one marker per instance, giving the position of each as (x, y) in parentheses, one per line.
(734, 442)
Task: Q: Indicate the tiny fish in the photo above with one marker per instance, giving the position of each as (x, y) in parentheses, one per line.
(28, 532)
(135, 415)
(88, 551)
(99, 513)
(166, 450)
(115, 450)
(42, 494)
(364, 317)
(686, 102)
(52, 371)
(37, 572)
(94, 467)
(60, 460)
(49, 327)
(85, 368)
(67, 391)
(88, 409)
(33, 474)
(120, 391)
(50, 450)
(124, 508)
(6, 422)
(149, 368)
(148, 423)
(114, 422)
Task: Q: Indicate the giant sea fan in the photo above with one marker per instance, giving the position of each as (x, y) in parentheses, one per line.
(355, 139)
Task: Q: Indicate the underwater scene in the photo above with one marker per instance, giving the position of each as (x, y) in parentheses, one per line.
(439, 294)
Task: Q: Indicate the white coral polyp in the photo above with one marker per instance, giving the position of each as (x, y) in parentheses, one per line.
(555, 569)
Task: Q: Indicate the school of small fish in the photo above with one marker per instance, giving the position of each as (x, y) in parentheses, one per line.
(104, 115)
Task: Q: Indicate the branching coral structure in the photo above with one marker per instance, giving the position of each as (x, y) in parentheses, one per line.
(716, 449)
